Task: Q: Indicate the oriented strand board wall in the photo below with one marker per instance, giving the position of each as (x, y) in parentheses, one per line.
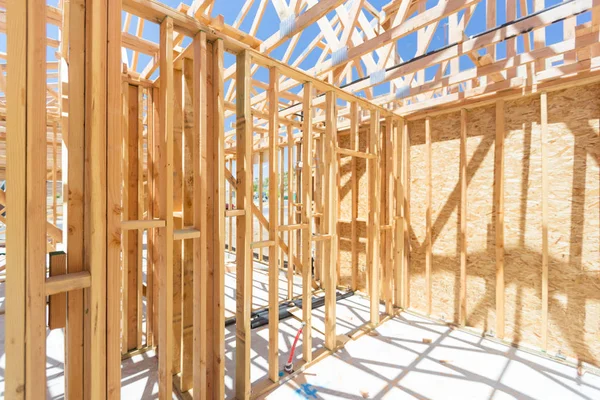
(573, 223)
(417, 284)
(445, 204)
(481, 259)
(573, 144)
(522, 221)
(345, 214)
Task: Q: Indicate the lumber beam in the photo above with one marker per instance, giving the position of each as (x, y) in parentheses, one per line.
(190, 150)
(354, 143)
(387, 172)
(310, 16)
(74, 356)
(330, 220)
(307, 149)
(428, 193)
(463, 219)
(165, 190)
(133, 241)
(273, 226)
(545, 190)
(113, 205)
(177, 195)
(216, 366)
(67, 282)
(399, 215)
(291, 215)
(406, 209)
(57, 304)
(499, 216)
(125, 214)
(16, 199)
(374, 234)
(244, 226)
(200, 258)
(95, 187)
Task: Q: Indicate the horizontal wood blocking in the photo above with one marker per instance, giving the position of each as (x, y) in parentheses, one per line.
(67, 282)
(262, 243)
(292, 227)
(186, 233)
(319, 238)
(142, 224)
(235, 213)
(354, 153)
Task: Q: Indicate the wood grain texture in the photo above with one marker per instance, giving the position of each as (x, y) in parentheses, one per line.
(573, 223)
(416, 226)
(481, 276)
(445, 174)
(522, 221)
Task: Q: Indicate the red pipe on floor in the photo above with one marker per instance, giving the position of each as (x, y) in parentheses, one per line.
(289, 366)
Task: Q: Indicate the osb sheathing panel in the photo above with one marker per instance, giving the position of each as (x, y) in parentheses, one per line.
(522, 221)
(418, 190)
(481, 267)
(573, 223)
(445, 196)
(345, 214)
(574, 220)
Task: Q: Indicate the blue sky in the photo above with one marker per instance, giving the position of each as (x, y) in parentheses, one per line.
(406, 46)
(270, 24)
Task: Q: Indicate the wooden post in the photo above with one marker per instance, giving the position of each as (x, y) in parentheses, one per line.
(499, 212)
(319, 221)
(158, 174)
(261, 162)
(354, 128)
(428, 214)
(213, 212)
(463, 218)
(95, 196)
(307, 138)
(273, 225)
(244, 226)
(16, 200)
(35, 261)
(388, 147)
(282, 200)
(57, 304)
(165, 235)
(74, 356)
(125, 216)
(291, 214)
(298, 216)
(230, 202)
(113, 206)
(177, 210)
(217, 209)
(544, 136)
(133, 242)
(150, 270)
(399, 227)
(200, 258)
(187, 284)
(54, 173)
(406, 201)
(330, 219)
(373, 223)
(140, 213)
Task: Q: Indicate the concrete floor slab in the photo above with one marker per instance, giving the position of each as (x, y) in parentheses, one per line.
(395, 363)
